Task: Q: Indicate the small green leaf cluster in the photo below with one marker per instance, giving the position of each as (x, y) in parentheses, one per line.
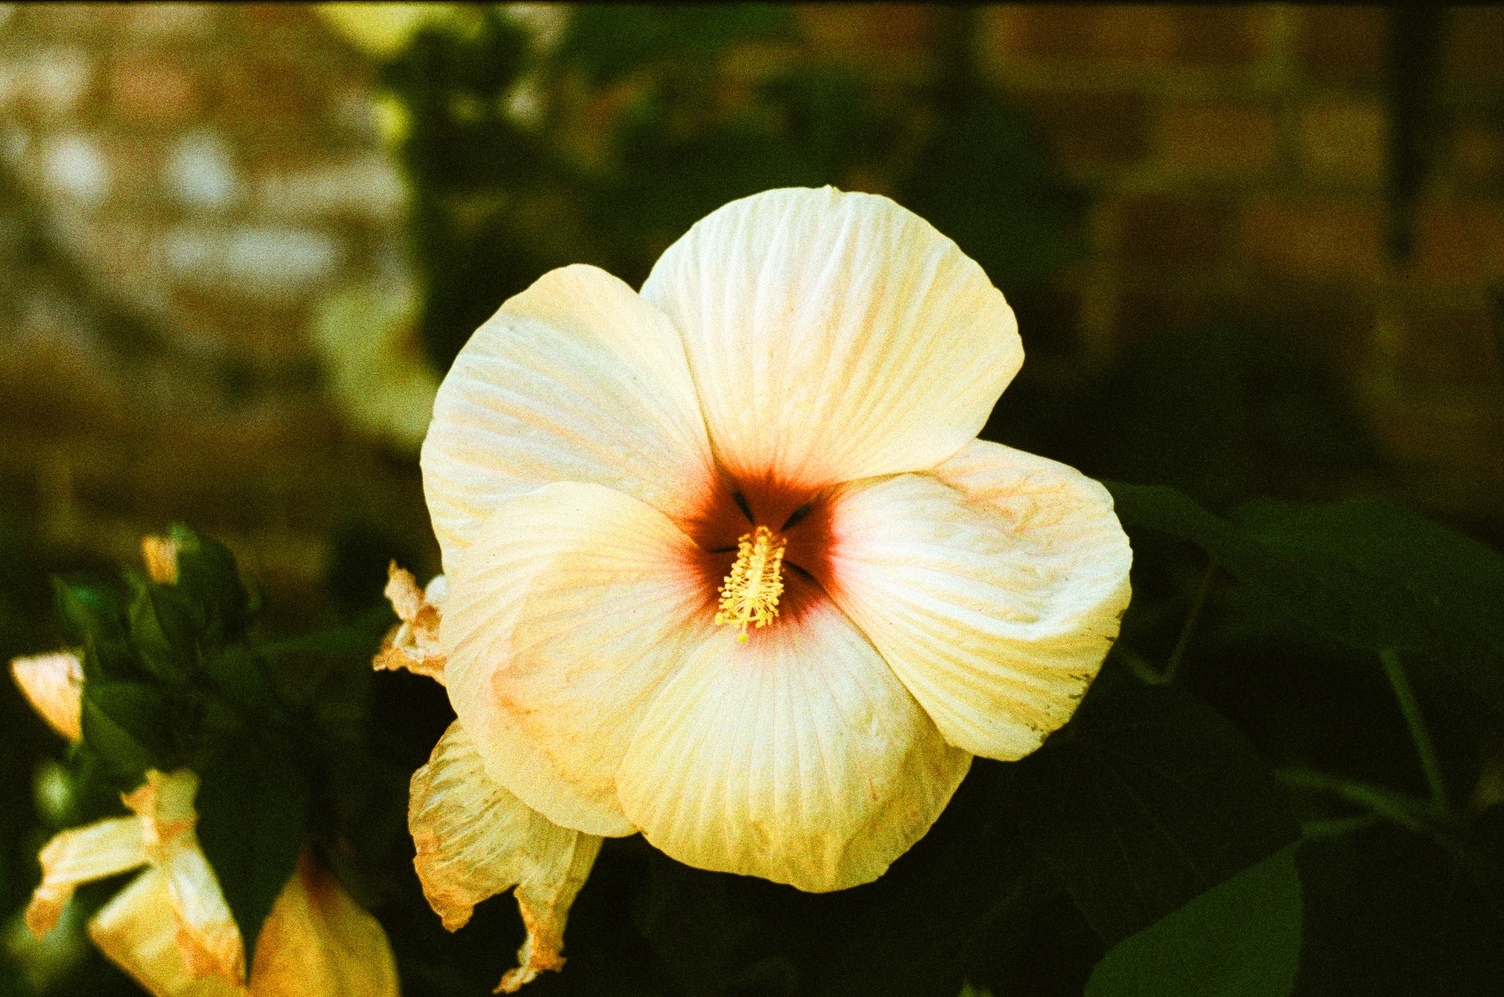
(175, 676)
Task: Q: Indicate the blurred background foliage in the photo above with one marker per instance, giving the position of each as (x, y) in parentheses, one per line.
(536, 139)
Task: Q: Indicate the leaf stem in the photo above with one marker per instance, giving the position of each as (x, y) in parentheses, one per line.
(1172, 667)
(1416, 721)
(1403, 810)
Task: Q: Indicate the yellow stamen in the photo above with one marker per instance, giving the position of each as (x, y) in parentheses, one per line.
(749, 596)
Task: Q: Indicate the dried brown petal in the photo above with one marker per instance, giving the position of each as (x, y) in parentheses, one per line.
(414, 643)
(475, 839)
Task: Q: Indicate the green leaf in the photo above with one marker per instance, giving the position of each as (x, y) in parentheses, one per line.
(1389, 913)
(704, 927)
(968, 882)
(129, 726)
(241, 675)
(163, 628)
(1241, 938)
(1146, 799)
(1364, 573)
(95, 617)
(252, 806)
(208, 577)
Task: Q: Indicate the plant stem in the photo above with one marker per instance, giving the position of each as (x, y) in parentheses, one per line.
(1172, 668)
(1416, 721)
(1405, 811)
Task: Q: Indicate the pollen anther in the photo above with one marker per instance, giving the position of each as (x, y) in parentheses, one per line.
(749, 595)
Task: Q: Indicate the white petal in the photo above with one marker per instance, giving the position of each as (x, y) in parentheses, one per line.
(993, 587)
(475, 839)
(81, 855)
(796, 756)
(575, 379)
(54, 686)
(318, 942)
(834, 336)
(569, 611)
(138, 932)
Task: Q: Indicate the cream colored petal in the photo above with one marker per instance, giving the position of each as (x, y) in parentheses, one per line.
(138, 932)
(165, 803)
(475, 839)
(575, 379)
(993, 587)
(81, 855)
(834, 336)
(54, 686)
(796, 756)
(318, 942)
(207, 934)
(414, 643)
(569, 611)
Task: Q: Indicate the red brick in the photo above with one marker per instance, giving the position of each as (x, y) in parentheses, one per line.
(1217, 36)
(1459, 244)
(1450, 346)
(866, 31)
(1091, 129)
(1182, 230)
(1478, 155)
(1048, 31)
(1213, 141)
(1130, 33)
(157, 89)
(1343, 44)
(1473, 45)
(1345, 140)
(1316, 240)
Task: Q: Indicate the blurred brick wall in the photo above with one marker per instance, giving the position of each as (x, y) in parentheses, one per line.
(185, 186)
(1238, 161)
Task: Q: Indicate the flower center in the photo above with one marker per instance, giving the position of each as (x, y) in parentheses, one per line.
(749, 595)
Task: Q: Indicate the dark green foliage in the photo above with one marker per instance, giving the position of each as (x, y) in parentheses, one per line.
(176, 677)
(1238, 939)
(1365, 573)
(981, 180)
(1390, 913)
(641, 129)
(253, 809)
(1146, 799)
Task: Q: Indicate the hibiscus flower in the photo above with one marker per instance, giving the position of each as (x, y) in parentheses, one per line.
(725, 563)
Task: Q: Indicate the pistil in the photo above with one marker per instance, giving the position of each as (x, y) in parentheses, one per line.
(749, 595)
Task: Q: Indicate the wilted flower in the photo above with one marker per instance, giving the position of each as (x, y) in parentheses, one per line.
(178, 887)
(725, 562)
(171, 928)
